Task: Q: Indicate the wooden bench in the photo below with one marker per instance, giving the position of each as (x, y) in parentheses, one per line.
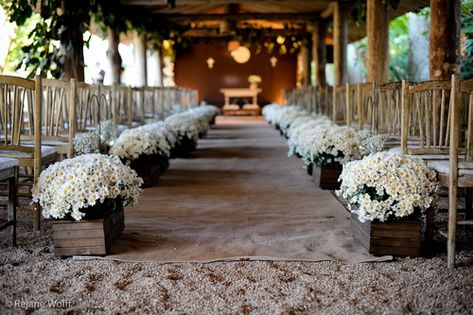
(8, 172)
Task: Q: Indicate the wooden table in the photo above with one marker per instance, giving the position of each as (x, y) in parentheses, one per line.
(240, 92)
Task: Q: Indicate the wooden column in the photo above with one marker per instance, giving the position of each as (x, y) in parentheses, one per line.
(444, 38)
(114, 56)
(377, 24)
(306, 53)
(340, 37)
(141, 64)
(319, 52)
(72, 43)
(227, 26)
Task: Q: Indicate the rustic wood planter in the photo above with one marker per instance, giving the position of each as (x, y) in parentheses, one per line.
(88, 237)
(148, 167)
(326, 177)
(401, 237)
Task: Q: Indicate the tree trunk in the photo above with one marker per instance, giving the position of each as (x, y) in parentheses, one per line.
(306, 53)
(444, 38)
(340, 36)
(320, 53)
(140, 44)
(72, 44)
(377, 33)
(114, 56)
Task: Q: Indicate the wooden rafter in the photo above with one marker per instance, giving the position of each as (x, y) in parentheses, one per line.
(309, 16)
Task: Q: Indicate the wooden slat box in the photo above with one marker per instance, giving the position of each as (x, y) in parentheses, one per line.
(148, 167)
(326, 177)
(402, 237)
(87, 237)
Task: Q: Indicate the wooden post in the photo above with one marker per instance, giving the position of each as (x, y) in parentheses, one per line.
(377, 24)
(114, 56)
(306, 53)
(140, 53)
(72, 43)
(319, 52)
(340, 37)
(444, 38)
(227, 26)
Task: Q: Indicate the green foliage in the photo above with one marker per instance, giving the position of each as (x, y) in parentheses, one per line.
(57, 29)
(398, 48)
(466, 65)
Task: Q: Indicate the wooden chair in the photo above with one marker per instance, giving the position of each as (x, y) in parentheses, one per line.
(20, 120)
(59, 115)
(457, 172)
(425, 118)
(8, 172)
(149, 104)
(386, 115)
(137, 110)
(339, 104)
(358, 102)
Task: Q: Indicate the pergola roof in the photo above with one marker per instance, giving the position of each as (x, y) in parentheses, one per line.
(274, 14)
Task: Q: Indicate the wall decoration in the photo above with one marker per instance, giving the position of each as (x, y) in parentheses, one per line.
(210, 62)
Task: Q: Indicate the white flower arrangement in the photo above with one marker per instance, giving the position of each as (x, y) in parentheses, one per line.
(108, 131)
(332, 146)
(87, 142)
(300, 136)
(165, 129)
(65, 188)
(254, 79)
(385, 185)
(188, 125)
(370, 143)
(133, 143)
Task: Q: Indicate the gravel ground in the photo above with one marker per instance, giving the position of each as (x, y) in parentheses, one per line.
(31, 278)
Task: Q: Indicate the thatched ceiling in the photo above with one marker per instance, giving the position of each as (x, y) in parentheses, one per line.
(275, 14)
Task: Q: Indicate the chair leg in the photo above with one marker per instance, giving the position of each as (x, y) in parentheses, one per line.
(452, 225)
(12, 209)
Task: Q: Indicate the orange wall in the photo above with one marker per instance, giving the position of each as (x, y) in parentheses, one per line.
(191, 71)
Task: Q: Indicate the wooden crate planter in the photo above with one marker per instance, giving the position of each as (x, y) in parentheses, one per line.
(148, 167)
(326, 177)
(401, 237)
(88, 237)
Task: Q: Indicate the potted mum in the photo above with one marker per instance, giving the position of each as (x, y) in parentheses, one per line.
(142, 149)
(386, 194)
(188, 126)
(328, 148)
(85, 196)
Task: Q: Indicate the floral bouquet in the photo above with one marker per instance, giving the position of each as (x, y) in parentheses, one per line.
(387, 185)
(136, 142)
(332, 145)
(254, 79)
(67, 189)
(370, 143)
(108, 131)
(87, 142)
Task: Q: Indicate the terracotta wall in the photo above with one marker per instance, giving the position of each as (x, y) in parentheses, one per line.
(191, 70)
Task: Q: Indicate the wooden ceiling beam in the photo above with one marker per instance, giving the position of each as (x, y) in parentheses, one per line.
(309, 16)
(204, 2)
(214, 32)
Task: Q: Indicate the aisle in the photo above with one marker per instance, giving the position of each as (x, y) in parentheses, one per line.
(237, 195)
